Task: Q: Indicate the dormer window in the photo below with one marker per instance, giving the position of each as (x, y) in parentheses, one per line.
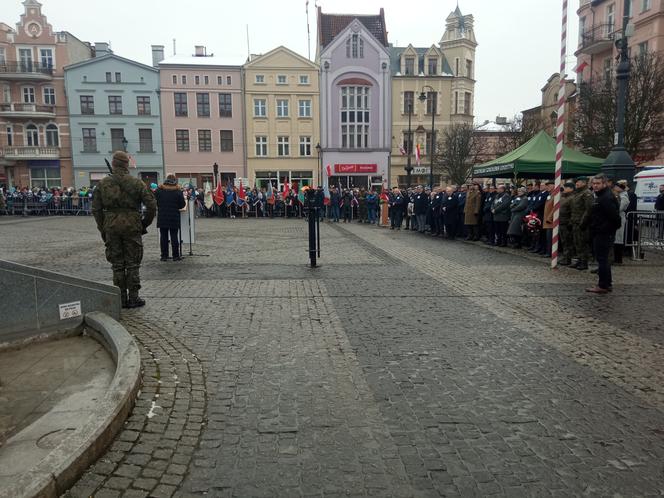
(409, 66)
(433, 66)
(355, 47)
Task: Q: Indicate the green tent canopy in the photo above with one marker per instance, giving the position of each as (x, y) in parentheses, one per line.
(537, 159)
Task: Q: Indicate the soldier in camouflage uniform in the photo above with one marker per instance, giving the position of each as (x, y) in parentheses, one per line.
(582, 202)
(566, 229)
(116, 206)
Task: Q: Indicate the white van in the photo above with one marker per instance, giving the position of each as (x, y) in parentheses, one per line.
(647, 187)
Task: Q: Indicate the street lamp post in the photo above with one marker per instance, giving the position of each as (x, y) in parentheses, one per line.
(423, 98)
(619, 164)
(215, 170)
(319, 150)
(409, 167)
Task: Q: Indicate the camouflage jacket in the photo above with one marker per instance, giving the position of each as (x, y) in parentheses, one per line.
(116, 204)
(582, 201)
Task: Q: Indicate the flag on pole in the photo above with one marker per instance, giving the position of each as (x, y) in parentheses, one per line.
(219, 194)
(329, 170)
(208, 201)
(286, 190)
(270, 192)
(230, 195)
(402, 150)
(383, 192)
(300, 193)
(418, 154)
(241, 195)
(326, 187)
(581, 67)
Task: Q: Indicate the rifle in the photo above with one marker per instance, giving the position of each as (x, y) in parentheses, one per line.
(108, 165)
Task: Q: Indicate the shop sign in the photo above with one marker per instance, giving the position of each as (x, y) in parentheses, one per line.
(355, 168)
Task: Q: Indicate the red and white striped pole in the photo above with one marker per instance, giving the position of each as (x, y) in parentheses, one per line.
(560, 142)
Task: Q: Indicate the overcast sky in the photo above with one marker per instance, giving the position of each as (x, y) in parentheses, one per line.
(519, 40)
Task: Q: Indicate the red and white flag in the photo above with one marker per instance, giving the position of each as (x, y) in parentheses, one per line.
(581, 67)
(326, 186)
(286, 190)
(418, 154)
(219, 193)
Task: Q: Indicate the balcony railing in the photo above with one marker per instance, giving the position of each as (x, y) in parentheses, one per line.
(17, 109)
(599, 37)
(29, 152)
(25, 69)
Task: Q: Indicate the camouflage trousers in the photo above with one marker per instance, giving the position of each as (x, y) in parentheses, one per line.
(125, 253)
(581, 243)
(567, 241)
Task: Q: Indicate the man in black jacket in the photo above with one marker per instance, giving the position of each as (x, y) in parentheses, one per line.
(436, 213)
(604, 221)
(450, 208)
(170, 200)
(420, 207)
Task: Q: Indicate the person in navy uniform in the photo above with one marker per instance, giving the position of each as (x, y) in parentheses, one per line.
(420, 207)
(461, 194)
(538, 244)
(487, 215)
(450, 209)
(437, 213)
(397, 203)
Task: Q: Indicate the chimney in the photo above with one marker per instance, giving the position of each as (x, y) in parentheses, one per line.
(157, 54)
(101, 49)
(199, 51)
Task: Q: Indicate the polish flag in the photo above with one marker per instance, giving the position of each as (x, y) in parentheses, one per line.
(418, 154)
(326, 186)
(581, 67)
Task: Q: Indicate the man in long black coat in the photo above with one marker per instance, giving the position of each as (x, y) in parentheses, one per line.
(170, 200)
(450, 209)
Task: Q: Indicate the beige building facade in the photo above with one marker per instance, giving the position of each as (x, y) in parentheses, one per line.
(35, 139)
(281, 93)
(445, 75)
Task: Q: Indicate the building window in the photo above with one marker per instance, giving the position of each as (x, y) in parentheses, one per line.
(433, 66)
(220, 80)
(145, 140)
(109, 78)
(206, 79)
(261, 146)
(643, 48)
(645, 5)
(456, 65)
(203, 105)
(226, 140)
(45, 177)
(608, 69)
(469, 68)
(182, 140)
(409, 66)
(225, 105)
(175, 79)
(229, 80)
(183, 78)
(305, 146)
(456, 102)
(432, 102)
(28, 95)
(143, 106)
(355, 117)
(305, 108)
(427, 145)
(260, 108)
(87, 104)
(282, 108)
(25, 58)
(10, 136)
(304, 79)
(260, 79)
(283, 146)
(49, 95)
(610, 17)
(467, 103)
(354, 47)
(114, 104)
(52, 138)
(31, 136)
(408, 142)
(282, 79)
(630, 5)
(6, 94)
(3, 56)
(204, 141)
(46, 57)
(117, 139)
(89, 140)
(181, 104)
(118, 78)
(408, 102)
(197, 80)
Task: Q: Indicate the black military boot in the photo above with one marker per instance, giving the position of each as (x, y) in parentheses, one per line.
(582, 265)
(124, 299)
(134, 300)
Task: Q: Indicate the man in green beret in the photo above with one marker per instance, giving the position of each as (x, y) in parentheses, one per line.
(116, 207)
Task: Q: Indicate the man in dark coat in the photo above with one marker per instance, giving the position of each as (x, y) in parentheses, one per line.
(604, 220)
(396, 204)
(437, 213)
(420, 207)
(116, 207)
(487, 215)
(450, 209)
(170, 200)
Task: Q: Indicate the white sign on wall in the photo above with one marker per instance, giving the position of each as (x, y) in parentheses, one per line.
(421, 170)
(70, 310)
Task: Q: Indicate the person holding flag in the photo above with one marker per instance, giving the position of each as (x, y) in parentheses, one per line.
(230, 200)
(270, 199)
(218, 196)
(241, 199)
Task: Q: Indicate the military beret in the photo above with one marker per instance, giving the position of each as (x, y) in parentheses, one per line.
(121, 156)
(581, 179)
(569, 185)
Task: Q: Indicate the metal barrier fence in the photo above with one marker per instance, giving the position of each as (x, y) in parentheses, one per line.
(647, 232)
(55, 206)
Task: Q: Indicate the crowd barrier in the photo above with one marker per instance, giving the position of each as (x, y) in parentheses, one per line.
(55, 206)
(647, 228)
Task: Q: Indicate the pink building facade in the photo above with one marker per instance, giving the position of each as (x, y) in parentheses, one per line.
(202, 118)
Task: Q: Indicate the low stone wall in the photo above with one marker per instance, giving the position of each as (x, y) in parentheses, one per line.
(31, 301)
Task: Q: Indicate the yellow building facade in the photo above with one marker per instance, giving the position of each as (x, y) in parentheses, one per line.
(282, 119)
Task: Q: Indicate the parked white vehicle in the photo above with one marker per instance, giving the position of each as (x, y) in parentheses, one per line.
(647, 187)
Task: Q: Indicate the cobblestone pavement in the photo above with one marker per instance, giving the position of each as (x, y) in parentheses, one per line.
(403, 366)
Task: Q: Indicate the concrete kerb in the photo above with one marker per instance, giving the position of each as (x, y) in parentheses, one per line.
(66, 463)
